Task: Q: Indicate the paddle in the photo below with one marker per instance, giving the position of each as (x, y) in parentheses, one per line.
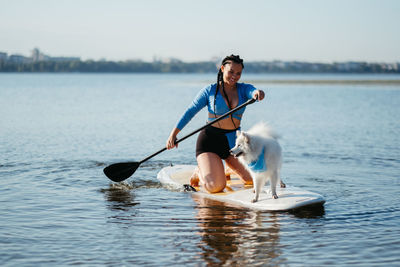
(118, 172)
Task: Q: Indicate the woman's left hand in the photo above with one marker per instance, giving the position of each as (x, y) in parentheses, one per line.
(259, 95)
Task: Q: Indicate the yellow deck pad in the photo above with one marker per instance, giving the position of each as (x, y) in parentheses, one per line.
(233, 185)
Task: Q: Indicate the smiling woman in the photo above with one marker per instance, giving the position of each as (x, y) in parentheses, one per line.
(215, 141)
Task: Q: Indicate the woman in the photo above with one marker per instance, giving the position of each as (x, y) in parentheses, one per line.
(214, 142)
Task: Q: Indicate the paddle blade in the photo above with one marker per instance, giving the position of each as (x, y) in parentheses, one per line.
(120, 171)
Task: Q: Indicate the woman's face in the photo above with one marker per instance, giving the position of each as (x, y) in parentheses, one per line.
(231, 73)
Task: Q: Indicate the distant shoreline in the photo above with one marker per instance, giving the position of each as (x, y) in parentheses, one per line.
(176, 66)
(328, 81)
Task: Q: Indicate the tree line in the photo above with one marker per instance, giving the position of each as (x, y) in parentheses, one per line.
(193, 67)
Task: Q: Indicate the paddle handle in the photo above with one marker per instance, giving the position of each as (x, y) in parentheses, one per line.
(152, 155)
(248, 102)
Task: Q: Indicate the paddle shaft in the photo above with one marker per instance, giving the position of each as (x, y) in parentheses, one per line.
(248, 102)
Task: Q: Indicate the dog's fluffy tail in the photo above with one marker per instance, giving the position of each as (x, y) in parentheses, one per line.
(263, 129)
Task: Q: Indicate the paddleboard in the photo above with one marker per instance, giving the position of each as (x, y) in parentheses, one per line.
(237, 194)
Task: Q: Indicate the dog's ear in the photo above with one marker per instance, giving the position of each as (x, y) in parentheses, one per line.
(246, 137)
(238, 132)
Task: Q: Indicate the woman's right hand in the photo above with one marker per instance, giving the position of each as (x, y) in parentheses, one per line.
(172, 139)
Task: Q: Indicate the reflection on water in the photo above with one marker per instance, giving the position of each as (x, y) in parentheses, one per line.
(313, 212)
(237, 236)
(119, 197)
(227, 235)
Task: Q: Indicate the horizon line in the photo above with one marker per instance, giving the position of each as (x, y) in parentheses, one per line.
(216, 59)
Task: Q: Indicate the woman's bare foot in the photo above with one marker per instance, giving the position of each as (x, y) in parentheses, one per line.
(228, 172)
(283, 185)
(194, 179)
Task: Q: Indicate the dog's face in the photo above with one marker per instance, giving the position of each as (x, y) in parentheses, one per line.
(242, 145)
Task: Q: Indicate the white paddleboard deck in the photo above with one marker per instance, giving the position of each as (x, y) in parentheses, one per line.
(238, 194)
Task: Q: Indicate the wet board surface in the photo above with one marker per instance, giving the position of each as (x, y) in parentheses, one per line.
(240, 195)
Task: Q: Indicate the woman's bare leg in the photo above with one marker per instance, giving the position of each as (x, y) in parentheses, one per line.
(211, 170)
(239, 169)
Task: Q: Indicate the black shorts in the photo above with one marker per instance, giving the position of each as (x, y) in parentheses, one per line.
(218, 141)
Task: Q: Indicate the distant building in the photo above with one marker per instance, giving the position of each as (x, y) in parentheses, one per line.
(19, 59)
(391, 67)
(348, 66)
(61, 59)
(3, 56)
(279, 64)
(37, 55)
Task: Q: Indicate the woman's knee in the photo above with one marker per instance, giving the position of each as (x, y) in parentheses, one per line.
(212, 172)
(213, 185)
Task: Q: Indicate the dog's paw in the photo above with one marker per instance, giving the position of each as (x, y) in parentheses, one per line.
(255, 199)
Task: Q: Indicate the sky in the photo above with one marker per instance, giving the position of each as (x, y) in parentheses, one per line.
(258, 30)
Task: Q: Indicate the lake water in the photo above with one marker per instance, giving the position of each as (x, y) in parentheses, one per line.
(58, 132)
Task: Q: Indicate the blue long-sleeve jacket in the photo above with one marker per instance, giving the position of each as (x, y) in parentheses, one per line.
(206, 98)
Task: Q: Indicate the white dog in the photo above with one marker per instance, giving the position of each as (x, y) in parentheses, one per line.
(259, 150)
